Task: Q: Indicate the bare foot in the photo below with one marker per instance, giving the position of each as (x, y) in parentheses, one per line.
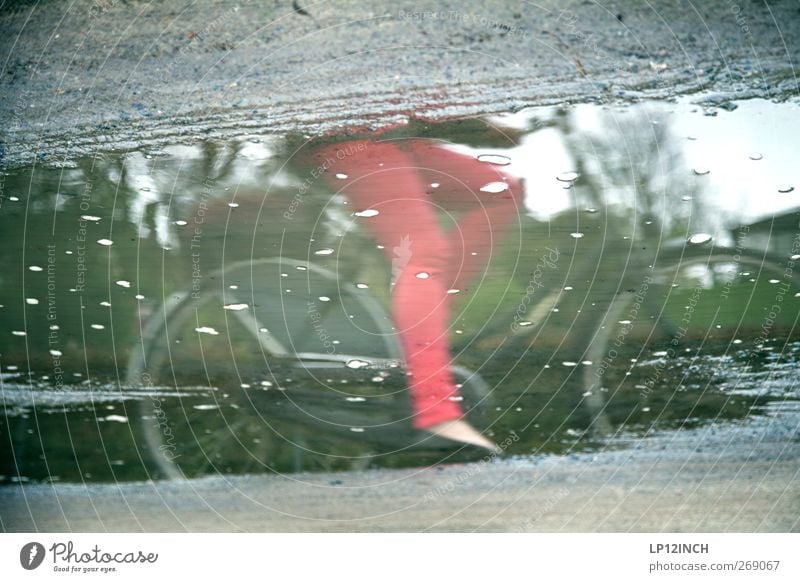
(463, 432)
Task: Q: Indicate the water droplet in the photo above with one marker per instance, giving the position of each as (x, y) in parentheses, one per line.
(125, 284)
(700, 238)
(625, 321)
(525, 323)
(422, 275)
(576, 234)
(567, 288)
(586, 362)
(569, 364)
(205, 406)
(737, 341)
(208, 330)
(366, 213)
(496, 159)
(355, 399)
(356, 429)
(116, 418)
(567, 176)
(377, 379)
(324, 252)
(236, 306)
(494, 187)
(324, 298)
(591, 210)
(19, 333)
(139, 297)
(13, 198)
(773, 281)
(301, 268)
(34, 268)
(97, 326)
(266, 383)
(434, 184)
(356, 364)
(341, 176)
(362, 286)
(233, 204)
(785, 189)
(90, 218)
(660, 354)
(453, 291)
(263, 330)
(181, 222)
(756, 156)
(105, 304)
(31, 301)
(686, 198)
(55, 353)
(105, 242)
(701, 171)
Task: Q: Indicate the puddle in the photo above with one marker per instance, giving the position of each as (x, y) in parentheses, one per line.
(224, 307)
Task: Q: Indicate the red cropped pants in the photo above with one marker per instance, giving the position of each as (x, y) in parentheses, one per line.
(439, 229)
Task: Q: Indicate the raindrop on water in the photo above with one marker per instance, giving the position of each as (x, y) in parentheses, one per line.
(341, 176)
(355, 364)
(208, 330)
(90, 218)
(576, 234)
(324, 298)
(105, 242)
(567, 176)
(97, 326)
(31, 301)
(324, 252)
(494, 187)
(422, 275)
(366, 213)
(236, 306)
(34, 268)
(125, 284)
(700, 238)
(362, 286)
(496, 159)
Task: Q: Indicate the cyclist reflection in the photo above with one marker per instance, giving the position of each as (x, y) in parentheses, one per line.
(397, 190)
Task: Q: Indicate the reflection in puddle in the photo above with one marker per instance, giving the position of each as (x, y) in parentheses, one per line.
(223, 308)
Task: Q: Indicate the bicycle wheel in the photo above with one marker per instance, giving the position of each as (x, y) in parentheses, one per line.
(695, 293)
(289, 366)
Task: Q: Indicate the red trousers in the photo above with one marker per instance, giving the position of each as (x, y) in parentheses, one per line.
(438, 229)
